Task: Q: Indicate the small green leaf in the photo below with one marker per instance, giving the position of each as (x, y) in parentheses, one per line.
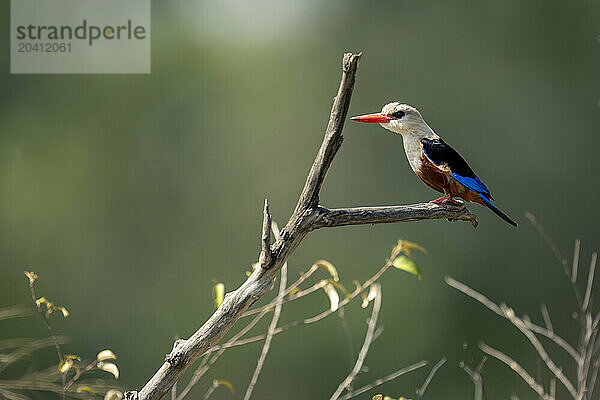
(227, 384)
(65, 365)
(106, 355)
(86, 389)
(109, 367)
(218, 294)
(406, 264)
(327, 266)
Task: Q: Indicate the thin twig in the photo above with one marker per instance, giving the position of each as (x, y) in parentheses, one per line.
(593, 377)
(476, 378)
(496, 309)
(383, 380)
(301, 293)
(209, 392)
(561, 259)
(587, 344)
(546, 317)
(365, 347)
(290, 288)
(272, 326)
(517, 368)
(44, 315)
(32, 276)
(554, 337)
(365, 286)
(576, 250)
(421, 391)
(211, 389)
(473, 294)
(590, 282)
(362, 288)
(510, 314)
(78, 373)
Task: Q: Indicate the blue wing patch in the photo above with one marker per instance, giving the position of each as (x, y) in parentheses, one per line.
(441, 154)
(473, 184)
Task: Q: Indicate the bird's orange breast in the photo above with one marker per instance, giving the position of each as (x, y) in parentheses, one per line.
(434, 176)
(440, 178)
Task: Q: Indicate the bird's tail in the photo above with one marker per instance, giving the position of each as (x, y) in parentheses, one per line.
(497, 211)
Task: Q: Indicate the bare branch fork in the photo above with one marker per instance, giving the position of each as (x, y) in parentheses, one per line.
(307, 216)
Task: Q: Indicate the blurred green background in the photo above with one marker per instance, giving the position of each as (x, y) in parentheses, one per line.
(129, 194)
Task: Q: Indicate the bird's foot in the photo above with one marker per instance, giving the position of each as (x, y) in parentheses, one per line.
(446, 200)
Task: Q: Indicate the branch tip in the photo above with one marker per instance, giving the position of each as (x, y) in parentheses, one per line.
(266, 255)
(351, 61)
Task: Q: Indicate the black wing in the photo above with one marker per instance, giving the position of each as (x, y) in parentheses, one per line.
(441, 153)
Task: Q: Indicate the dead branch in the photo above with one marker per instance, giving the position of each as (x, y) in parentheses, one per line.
(272, 326)
(307, 216)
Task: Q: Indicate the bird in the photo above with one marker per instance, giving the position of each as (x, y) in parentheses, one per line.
(432, 159)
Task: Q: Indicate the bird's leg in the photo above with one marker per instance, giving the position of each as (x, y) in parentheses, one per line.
(441, 200)
(445, 200)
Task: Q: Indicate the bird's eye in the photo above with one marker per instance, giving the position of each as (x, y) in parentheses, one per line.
(398, 114)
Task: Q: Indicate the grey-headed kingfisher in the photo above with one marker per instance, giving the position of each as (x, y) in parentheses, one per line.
(434, 161)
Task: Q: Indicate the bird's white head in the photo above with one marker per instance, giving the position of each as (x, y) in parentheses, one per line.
(399, 118)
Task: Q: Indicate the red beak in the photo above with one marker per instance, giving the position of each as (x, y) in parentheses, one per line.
(378, 118)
